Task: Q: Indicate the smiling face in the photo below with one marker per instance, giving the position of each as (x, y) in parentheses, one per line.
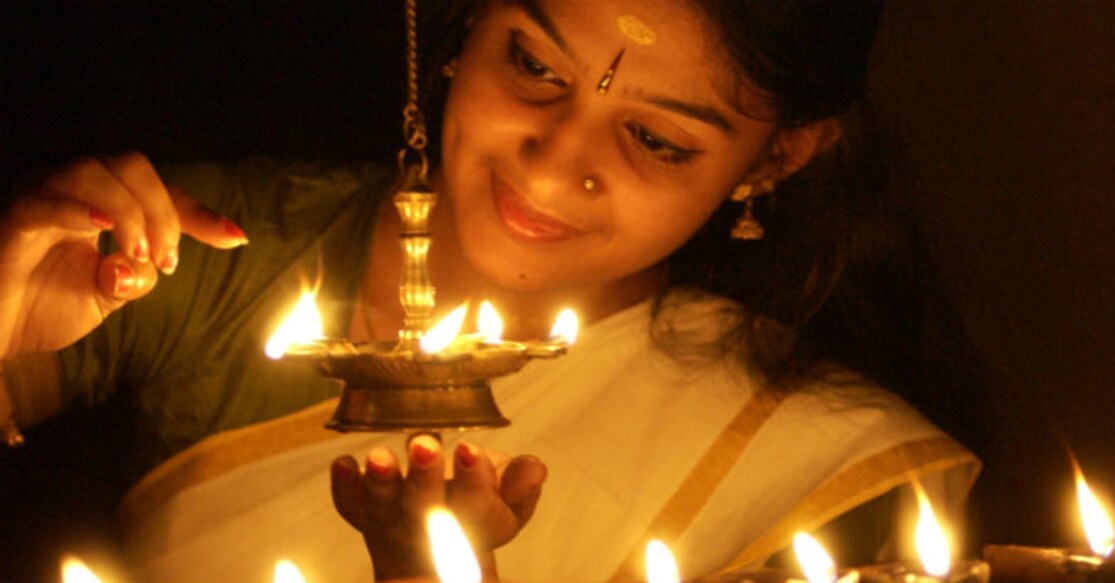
(525, 126)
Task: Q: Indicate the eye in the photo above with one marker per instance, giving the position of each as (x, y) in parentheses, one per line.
(529, 66)
(658, 147)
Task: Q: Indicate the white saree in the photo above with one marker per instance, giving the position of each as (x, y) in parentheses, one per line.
(627, 434)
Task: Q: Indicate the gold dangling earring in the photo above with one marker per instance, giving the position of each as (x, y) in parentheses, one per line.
(747, 227)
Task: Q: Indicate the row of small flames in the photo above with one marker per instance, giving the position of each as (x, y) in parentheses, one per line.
(455, 561)
(304, 324)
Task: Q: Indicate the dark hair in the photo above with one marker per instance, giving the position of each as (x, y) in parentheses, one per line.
(843, 274)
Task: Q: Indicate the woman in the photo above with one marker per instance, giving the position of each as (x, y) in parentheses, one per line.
(588, 154)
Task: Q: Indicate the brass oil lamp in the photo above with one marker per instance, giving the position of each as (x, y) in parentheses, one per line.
(430, 379)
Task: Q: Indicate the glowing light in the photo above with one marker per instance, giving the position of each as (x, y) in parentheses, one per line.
(814, 560)
(932, 544)
(286, 572)
(660, 563)
(1097, 521)
(75, 571)
(443, 333)
(453, 557)
(303, 324)
(489, 323)
(565, 326)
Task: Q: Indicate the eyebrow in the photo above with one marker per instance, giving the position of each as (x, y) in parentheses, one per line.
(702, 113)
(539, 16)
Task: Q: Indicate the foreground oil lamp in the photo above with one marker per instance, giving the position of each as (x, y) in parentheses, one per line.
(431, 379)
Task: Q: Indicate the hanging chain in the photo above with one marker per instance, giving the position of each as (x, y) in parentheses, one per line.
(414, 126)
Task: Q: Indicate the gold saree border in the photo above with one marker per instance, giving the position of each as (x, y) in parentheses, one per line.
(705, 477)
(223, 452)
(858, 483)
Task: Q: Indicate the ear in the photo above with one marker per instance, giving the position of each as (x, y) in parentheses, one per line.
(793, 147)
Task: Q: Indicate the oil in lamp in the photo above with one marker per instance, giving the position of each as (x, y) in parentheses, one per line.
(427, 380)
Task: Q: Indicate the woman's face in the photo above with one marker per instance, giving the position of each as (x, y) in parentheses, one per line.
(525, 126)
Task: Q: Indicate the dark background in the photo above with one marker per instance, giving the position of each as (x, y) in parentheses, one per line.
(1007, 108)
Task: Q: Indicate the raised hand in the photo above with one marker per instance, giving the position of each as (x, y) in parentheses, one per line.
(493, 497)
(54, 285)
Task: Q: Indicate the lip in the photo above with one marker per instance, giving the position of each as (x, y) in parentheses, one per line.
(526, 222)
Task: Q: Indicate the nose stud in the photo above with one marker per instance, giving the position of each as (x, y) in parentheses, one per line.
(590, 183)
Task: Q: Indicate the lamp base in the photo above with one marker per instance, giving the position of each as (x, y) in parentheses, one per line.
(436, 408)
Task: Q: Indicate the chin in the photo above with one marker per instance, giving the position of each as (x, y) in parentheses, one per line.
(513, 270)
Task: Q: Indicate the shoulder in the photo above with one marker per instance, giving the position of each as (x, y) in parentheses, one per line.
(280, 192)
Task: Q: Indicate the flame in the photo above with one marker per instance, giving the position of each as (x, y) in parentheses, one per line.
(1097, 522)
(932, 544)
(75, 571)
(565, 326)
(490, 324)
(286, 572)
(661, 566)
(815, 562)
(443, 333)
(302, 324)
(453, 557)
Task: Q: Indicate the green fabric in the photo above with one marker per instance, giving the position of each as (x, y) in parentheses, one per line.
(187, 360)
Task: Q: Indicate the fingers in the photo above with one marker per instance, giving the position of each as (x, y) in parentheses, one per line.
(380, 495)
(424, 486)
(124, 193)
(493, 511)
(121, 279)
(160, 219)
(37, 213)
(122, 188)
(472, 469)
(521, 485)
(383, 479)
(205, 224)
(349, 496)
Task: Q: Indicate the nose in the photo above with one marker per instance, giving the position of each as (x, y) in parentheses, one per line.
(561, 151)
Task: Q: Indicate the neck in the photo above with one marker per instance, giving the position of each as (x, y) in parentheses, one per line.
(525, 315)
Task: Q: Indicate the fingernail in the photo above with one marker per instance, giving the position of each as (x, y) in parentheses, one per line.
(169, 261)
(380, 462)
(423, 450)
(233, 230)
(100, 220)
(342, 471)
(125, 279)
(141, 250)
(466, 455)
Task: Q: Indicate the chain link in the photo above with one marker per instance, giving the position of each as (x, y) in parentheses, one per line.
(414, 125)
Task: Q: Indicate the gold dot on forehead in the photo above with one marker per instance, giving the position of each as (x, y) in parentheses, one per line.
(636, 30)
(605, 82)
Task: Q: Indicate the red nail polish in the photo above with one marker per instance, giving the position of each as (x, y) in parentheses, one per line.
(378, 469)
(342, 472)
(380, 462)
(100, 220)
(141, 250)
(170, 261)
(125, 279)
(422, 455)
(233, 230)
(466, 456)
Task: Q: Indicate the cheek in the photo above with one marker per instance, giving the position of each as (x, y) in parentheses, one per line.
(657, 228)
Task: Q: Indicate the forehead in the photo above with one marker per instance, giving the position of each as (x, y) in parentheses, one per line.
(666, 42)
